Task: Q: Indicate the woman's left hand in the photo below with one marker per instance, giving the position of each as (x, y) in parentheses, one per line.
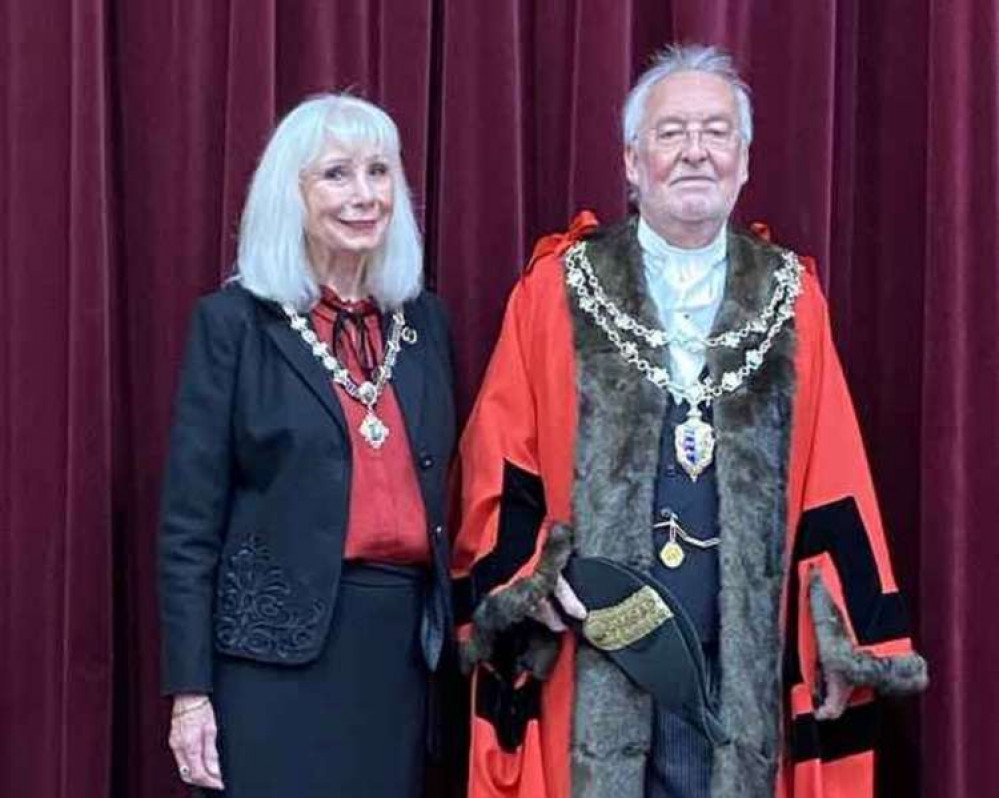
(193, 741)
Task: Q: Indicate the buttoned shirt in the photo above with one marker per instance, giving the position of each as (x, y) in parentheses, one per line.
(687, 287)
(387, 521)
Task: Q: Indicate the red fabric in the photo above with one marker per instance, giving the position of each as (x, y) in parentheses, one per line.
(525, 414)
(388, 522)
(121, 183)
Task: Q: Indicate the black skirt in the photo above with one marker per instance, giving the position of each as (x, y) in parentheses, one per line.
(351, 723)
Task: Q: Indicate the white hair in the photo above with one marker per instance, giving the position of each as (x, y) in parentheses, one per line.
(273, 261)
(687, 58)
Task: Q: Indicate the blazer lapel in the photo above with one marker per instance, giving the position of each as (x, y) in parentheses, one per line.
(305, 364)
(408, 380)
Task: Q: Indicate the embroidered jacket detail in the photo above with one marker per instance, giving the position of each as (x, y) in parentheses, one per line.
(256, 612)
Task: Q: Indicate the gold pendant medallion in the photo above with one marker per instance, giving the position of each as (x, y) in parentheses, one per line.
(672, 554)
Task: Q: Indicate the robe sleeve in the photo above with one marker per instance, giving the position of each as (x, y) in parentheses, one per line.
(512, 545)
(514, 472)
(509, 551)
(848, 589)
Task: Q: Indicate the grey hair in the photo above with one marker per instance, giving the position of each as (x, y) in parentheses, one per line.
(687, 58)
(272, 260)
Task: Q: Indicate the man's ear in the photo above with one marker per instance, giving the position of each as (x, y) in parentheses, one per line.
(744, 166)
(630, 165)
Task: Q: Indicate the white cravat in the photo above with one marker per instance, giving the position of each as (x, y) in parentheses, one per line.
(687, 287)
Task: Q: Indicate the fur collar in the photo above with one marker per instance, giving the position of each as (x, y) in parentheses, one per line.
(620, 420)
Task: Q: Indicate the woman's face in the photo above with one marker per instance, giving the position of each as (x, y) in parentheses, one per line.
(348, 200)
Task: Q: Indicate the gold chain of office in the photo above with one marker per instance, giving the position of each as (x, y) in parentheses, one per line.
(694, 439)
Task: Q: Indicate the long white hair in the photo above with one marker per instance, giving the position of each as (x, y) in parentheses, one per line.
(272, 260)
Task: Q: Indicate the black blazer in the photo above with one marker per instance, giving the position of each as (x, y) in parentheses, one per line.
(255, 500)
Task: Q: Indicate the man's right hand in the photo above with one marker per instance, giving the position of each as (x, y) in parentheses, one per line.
(569, 602)
(192, 739)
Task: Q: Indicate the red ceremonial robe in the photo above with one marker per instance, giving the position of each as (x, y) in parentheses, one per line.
(560, 455)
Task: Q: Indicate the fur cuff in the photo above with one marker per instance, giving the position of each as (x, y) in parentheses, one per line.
(504, 608)
(889, 675)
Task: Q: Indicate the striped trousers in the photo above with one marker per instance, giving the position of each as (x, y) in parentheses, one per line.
(680, 763)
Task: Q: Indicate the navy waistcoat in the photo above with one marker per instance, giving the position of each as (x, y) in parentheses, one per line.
(695, 583)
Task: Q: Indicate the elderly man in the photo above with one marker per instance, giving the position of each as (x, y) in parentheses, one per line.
(665, 397)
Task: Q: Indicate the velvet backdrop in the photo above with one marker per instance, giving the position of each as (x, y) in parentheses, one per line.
(129, 131)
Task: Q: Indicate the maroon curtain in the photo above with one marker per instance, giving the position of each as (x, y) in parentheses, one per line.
(130, 129)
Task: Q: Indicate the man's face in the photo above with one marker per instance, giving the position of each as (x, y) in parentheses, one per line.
(688, 161)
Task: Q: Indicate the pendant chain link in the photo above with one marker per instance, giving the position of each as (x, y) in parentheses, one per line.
(367, 393)
(616, 324)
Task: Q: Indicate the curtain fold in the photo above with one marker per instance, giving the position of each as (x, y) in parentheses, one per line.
(481, 145)
(129, 133)
(88, 327)
(56, 634)
(960, 391)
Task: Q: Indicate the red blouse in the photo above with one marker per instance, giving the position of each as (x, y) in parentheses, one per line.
(387, 519)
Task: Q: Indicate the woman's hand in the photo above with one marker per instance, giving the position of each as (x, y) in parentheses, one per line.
(566, 597)
(192, 740)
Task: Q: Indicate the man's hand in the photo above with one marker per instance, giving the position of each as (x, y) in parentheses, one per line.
(838, 691)
(192, 740)
(571, 605)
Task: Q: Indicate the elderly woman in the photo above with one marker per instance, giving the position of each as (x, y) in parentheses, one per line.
(302, 568)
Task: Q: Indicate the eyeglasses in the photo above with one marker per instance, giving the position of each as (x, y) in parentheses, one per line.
(673, 136)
